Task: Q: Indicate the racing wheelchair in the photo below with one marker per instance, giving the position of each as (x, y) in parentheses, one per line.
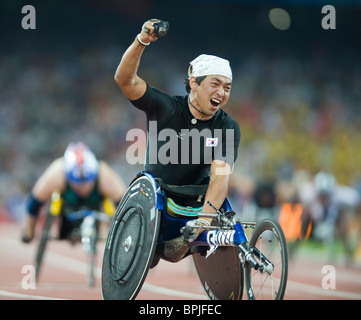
(224, 258)
(76, 226)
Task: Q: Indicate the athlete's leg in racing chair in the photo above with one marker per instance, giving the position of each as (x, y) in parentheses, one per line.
(220, 273)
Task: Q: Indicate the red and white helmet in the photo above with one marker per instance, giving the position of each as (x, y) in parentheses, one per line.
(80, 163)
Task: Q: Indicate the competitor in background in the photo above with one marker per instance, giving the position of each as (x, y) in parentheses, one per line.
(83, 182)
(331, 207)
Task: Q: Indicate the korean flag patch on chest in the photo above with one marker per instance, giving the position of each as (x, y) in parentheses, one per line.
(211, 142)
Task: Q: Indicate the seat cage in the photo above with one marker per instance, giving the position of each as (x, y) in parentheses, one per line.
(171, 224)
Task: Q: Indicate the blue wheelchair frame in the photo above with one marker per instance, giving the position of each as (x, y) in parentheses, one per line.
(213, 238)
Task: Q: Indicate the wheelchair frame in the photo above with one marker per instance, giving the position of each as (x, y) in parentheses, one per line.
(88, 235)
(228, 233)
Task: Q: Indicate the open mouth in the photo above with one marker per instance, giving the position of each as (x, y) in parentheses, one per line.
(215, 102)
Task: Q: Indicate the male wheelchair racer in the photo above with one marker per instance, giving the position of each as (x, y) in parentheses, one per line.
(146, 219)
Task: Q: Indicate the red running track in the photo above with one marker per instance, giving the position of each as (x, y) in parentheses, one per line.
(65, 266)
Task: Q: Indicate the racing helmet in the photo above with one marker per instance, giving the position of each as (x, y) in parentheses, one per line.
(324, 183)
(80, 163)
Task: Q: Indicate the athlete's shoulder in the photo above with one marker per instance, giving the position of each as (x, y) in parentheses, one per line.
(56, 168)
(174, 99)
(160, 92)
(179, 99)
(154, 98)
(225, 118)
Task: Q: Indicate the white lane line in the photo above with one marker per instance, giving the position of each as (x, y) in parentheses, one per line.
(25, 296)
(308, 288)
(57, 260)
(171, 292)
(74, 265)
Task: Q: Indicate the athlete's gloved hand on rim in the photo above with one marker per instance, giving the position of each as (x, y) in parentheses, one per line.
(193, 229)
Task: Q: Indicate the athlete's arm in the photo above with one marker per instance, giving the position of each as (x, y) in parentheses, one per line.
(126, 75)
(109, 183)
(52, 179)
(218, 186)
(216, 194)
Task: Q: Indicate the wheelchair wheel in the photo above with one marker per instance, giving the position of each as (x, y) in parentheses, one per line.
(131, 242)
(268, 245)
(91, 270)
(92, 258)
(92, 253)
(89, 239)
(42, 244)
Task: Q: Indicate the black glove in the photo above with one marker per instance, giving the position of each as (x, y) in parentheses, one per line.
(193, 229)
(26, 238)
(160, 27)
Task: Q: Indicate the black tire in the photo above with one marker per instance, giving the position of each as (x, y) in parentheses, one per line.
(131, 242)
(269, 240)
(42, 244)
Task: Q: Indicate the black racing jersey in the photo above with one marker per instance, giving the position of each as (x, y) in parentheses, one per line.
(179, 150)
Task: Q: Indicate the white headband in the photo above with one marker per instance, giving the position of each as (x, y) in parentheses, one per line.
(205, 65)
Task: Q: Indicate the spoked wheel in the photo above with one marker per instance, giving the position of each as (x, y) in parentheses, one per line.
(270, 250)
(42, 244)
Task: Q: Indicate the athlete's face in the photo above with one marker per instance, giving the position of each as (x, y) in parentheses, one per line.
(212, 93)
(82, 189)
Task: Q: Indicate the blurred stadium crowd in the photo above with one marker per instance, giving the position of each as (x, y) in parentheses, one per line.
(297, 102)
